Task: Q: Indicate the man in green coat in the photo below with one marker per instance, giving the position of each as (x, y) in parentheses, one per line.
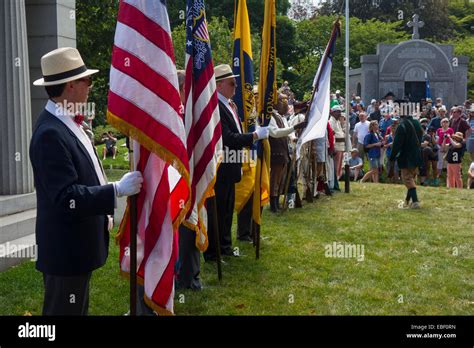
(406, 149)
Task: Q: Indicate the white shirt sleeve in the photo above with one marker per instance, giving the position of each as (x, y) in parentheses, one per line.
(276, 132)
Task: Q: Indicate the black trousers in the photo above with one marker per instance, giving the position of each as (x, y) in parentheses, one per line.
(66, 295)
(225, 198)
(244, 220)
(189, 262)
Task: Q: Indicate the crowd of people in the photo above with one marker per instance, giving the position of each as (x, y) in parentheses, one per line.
(73, 193)
(445, 139)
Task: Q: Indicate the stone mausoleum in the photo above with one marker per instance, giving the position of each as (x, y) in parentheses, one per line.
(405, 68)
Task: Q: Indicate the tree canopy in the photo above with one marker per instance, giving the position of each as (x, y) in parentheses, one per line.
(301, 37)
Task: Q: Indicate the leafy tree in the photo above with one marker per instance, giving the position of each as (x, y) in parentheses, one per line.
(222, 46)
(312, 38)
(96, 21)
(301, 9)
(434, 13)
(225, 8)
(221, 42)
(462, 15)
(465, 47)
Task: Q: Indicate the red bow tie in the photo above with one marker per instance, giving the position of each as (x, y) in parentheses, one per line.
(79, 119)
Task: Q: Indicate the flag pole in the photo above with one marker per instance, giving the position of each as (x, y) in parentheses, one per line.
(287, 180)
(347, 187)
(255, 226)
(133, 240)
(217, 241)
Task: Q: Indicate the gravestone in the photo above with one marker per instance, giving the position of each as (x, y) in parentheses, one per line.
(404, 68)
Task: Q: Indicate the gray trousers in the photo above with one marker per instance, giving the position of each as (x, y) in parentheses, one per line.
(66, 295)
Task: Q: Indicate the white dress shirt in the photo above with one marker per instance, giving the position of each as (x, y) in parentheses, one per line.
(68, 119)
(226, 102)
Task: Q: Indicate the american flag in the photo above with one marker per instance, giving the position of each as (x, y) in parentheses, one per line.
(144, 103)
(202, 120)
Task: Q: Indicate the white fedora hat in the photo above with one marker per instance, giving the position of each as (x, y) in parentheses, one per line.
(223, 71)
(62, 65)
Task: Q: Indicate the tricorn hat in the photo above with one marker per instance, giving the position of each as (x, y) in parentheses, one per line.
(223, 71)
(62, 65)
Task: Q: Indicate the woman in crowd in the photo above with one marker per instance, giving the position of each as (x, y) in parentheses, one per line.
(454, 150)
(470, 140)
(442, 134)
(373, 142)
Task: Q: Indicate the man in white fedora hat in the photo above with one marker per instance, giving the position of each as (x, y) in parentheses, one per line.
(229, 173)
(74, 201)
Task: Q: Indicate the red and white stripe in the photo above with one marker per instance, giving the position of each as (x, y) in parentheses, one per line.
(144, 93)
(204, 144)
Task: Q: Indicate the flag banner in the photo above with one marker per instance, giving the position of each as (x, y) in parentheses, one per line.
(144, 104)
(427, 91)
(267, 92)
(202, 119)
(244, 99)
(318, 114)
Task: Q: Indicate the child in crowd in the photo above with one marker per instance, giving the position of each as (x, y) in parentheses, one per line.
(373, 142)
(355, 165)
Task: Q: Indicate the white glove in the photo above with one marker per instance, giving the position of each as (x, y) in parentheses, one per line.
(262, 132)
(129, 185)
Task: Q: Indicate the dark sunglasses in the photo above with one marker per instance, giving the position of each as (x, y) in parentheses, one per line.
(87, 80)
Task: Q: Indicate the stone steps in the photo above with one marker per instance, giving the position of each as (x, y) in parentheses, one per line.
(17, 225)
(17, 203)
(25, 247)
(17, 228)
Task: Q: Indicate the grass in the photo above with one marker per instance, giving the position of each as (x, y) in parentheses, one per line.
(120, 161)
(416, 262)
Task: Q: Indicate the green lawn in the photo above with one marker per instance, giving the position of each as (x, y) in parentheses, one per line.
(120, 161)
(416, 262)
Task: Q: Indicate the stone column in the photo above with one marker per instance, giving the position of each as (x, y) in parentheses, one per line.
(16, 176)
(51, 24)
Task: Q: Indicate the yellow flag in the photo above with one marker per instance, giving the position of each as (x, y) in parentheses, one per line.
(267, 91)
(243, 66)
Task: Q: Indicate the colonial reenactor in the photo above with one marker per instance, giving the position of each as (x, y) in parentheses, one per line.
(406, 150)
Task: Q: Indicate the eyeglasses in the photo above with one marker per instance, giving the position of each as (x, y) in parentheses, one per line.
(87, 80)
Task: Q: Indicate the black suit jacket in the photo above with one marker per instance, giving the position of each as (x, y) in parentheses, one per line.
(233, 141)
(71, 222)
